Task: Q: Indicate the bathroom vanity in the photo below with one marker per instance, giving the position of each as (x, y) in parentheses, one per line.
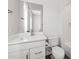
(30, 42)
(27, 48)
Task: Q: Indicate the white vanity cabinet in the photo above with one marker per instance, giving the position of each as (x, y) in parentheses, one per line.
(27, 50)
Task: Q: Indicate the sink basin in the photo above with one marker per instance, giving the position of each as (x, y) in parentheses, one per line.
(18, 37)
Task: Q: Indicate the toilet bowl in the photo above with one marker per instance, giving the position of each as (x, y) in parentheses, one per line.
(58, 52)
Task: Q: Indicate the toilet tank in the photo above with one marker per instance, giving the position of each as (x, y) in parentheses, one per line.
(53, 41)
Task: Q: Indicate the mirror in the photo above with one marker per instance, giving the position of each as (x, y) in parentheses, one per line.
(32, 15)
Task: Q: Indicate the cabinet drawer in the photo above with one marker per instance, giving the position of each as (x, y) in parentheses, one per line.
(32, 44)
(26, 45)
(14, 55)
(13, 48)
(37, 53)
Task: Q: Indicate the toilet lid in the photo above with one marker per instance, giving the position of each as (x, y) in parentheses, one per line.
(57, 51)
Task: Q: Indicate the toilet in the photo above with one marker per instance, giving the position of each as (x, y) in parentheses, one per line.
(58, 53)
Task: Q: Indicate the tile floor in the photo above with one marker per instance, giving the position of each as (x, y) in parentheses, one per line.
(66, 57)
(49, 57)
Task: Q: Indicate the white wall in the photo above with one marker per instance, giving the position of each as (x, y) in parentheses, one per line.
(65, 20)
(51, 18)
(13, 17)
(61, 20)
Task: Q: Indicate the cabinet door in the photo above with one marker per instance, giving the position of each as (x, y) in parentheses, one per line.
(13, 55)
(37, 53)
(24, 54)
(19, 54)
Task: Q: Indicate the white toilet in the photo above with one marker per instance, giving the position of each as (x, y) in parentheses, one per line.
(58, 52)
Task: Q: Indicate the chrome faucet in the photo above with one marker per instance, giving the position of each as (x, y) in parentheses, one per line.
(31, 32)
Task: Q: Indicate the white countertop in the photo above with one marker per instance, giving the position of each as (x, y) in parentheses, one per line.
(25, 38)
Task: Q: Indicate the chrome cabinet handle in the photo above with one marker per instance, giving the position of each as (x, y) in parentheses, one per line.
(38, 52)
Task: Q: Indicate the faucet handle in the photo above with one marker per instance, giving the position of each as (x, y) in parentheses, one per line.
(27, 31)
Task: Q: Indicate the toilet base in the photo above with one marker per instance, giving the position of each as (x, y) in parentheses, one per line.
(58, 52)
(51, 57)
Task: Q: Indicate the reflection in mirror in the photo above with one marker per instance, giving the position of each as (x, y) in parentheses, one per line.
(33, 17)
(27, 17)
(36, 17)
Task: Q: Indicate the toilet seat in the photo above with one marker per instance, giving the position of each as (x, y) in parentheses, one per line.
(58, 52)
